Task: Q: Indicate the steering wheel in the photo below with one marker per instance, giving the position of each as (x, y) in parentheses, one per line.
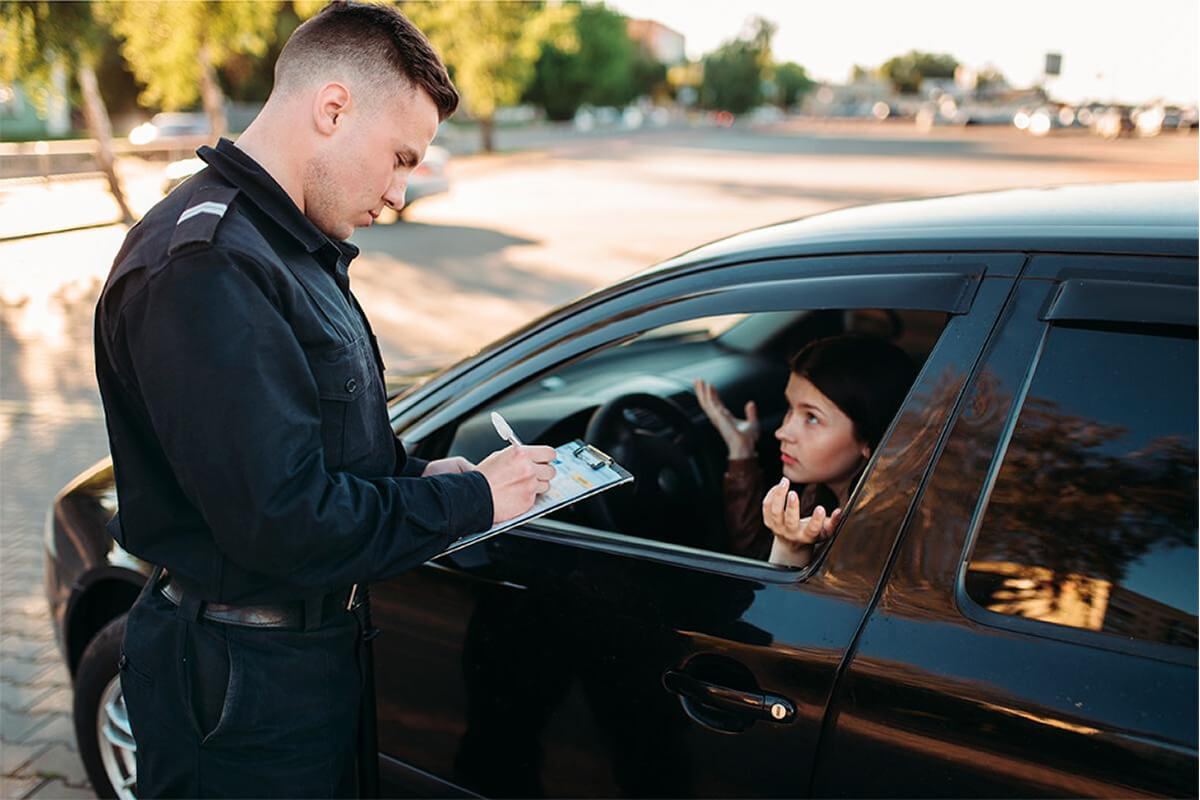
(675, 497)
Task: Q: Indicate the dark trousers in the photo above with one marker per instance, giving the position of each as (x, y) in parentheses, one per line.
(222, 710)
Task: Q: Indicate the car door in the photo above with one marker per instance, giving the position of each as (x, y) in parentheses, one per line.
(569, 661)
(1037, 632)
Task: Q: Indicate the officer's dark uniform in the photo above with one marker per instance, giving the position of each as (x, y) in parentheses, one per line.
(243, 393)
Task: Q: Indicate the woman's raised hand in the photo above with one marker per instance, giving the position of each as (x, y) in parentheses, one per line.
(740, 435)
(781, 513)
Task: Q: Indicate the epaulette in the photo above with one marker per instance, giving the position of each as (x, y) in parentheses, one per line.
(198, 222)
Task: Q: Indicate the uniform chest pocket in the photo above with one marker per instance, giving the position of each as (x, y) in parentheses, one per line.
(350, 415)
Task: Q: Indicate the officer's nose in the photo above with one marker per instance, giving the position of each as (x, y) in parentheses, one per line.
(394, 196)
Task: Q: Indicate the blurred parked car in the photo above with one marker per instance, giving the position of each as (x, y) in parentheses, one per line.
(1156, 118)
(1007, 608)
(721, 119)
(171, 123)
(1114, 122)
(1041, 120)
(429, 178)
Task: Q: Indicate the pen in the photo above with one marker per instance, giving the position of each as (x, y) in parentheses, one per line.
(506, 433)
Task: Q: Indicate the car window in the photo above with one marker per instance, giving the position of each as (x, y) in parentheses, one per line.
(707, 327)
(658, 430)
(1092, 520)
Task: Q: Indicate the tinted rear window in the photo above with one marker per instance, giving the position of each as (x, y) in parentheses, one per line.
(1092, 520)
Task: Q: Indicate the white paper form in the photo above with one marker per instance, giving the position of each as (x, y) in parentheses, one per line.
(580, 471)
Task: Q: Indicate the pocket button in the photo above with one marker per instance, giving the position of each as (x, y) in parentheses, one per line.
(351, 386)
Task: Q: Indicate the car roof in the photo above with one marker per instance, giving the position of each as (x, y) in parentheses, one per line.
(1138, 218)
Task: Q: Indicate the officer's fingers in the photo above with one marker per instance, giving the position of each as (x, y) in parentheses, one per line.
(542, 486)
(544, 472)
(539, 453)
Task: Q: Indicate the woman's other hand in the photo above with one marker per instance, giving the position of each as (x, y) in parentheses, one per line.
(740, 435)
(781, 514)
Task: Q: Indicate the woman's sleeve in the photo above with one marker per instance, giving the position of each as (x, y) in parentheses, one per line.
(748, 536)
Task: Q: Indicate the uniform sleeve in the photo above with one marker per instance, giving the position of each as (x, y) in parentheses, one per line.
(234, 405)
(406, 465)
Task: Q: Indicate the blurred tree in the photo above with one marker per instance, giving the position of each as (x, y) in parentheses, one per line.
(734, 73)
(990, 79)
(34, 36)
(176, 48)
(249, 77)
(860, 73)
(649, 76)
(907, 71)
(491, 48)
(599, 71)
(791, 83)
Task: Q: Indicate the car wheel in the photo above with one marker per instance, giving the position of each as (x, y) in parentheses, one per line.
(101, 724)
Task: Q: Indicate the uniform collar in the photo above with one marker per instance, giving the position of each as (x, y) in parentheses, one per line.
(237, 167)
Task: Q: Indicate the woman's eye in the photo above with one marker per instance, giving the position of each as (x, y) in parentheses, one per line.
(811, 418)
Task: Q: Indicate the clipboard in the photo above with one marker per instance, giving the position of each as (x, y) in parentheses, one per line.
(580, 471)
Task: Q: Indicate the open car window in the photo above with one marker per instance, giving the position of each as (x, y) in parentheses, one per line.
(635, 400)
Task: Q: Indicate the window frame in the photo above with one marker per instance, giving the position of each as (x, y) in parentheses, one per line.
(1075, 300)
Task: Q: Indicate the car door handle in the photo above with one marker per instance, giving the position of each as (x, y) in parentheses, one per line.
(764, 706)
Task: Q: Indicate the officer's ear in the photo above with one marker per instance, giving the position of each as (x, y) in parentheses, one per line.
(329, 105)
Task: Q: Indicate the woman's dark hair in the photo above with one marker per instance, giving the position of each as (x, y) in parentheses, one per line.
(867, 378)
(377, 39)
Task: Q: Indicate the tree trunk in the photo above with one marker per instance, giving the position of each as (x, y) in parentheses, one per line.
(96, 114)
(212, 96)
(487, 129)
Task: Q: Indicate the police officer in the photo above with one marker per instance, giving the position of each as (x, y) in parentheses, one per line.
(244, 397)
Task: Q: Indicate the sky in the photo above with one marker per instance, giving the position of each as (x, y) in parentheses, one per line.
(1111, 51)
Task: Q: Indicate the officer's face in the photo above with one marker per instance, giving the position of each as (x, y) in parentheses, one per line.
(366, 165)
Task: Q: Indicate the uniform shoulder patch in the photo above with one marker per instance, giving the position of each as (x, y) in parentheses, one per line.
(198, 222)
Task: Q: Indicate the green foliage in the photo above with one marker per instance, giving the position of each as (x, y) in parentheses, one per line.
(791, 83)
(249, 77)
(600, 71)
(990, 78)
(734, 73)
(649, 75)
(34, 34)
(167, 43)
(907, 71)
(491, 47)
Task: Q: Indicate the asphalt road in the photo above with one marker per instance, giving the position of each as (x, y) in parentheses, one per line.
(557, 215)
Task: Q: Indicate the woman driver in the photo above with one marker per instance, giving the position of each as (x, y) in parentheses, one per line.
(842, 394)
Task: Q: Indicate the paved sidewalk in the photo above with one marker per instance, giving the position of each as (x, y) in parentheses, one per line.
(37, 737)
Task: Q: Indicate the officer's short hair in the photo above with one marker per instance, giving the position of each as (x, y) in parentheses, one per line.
(377, 41)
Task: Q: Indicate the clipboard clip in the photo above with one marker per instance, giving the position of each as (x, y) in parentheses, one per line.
(593, 457)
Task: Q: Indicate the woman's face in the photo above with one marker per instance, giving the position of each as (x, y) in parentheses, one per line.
(816, 440)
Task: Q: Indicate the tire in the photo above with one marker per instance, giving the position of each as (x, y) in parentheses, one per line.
(108, 759)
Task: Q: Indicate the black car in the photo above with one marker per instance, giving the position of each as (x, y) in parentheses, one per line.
(1008, 606)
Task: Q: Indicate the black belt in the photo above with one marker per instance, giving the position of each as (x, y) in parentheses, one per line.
(299, 615)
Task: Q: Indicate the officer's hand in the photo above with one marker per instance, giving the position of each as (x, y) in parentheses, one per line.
(447, 466)
(517, 475)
